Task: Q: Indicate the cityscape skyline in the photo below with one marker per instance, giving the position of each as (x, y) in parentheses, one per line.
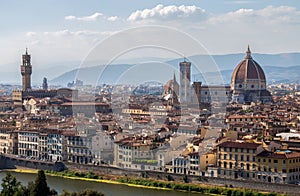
(197, 97)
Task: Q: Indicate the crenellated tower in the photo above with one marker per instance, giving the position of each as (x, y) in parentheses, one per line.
(26, 70)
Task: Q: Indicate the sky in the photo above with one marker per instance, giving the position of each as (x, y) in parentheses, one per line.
(57, 32)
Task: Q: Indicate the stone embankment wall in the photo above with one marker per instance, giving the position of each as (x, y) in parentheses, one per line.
(12, 162)
(261, 186)
(7, 162)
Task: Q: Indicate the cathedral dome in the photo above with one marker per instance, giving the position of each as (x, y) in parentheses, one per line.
(248, 70)
(248, 82)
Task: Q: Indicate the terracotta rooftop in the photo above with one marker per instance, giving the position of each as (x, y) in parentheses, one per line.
(279, 155)
(245, 145)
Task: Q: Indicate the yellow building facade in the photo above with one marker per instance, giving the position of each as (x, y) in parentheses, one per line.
(279, 166)
(237, 159)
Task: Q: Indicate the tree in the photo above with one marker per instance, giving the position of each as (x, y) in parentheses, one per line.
(185, 179)
(169, 177)
(10, 185)
(40, 187)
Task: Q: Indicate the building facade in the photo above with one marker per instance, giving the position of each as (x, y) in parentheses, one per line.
(280, 166)
(237, 159)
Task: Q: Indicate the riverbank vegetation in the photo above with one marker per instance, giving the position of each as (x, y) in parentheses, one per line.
(11, 187)
(168, 185)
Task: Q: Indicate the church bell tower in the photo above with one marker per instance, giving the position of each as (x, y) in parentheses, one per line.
(185, 80)
(26, 70)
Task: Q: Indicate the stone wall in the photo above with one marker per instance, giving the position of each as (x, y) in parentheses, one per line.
(10, 162)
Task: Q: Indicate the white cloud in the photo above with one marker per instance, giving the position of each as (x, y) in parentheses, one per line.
(269, 15)
(171, 12)
(281, 14)
(112, 18)
(30, 34)
(221, 33)
(94, 17)
(70, 17)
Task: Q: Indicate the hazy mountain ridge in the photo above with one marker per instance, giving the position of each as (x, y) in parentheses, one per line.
(90, 75)
(277, 67)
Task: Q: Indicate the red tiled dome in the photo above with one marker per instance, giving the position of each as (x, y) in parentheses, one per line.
(248, 69)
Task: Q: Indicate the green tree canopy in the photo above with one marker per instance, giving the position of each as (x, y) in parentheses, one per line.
(10, 185)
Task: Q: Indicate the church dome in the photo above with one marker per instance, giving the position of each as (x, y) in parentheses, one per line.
(248, 70)
(171, 89)
(248, 82)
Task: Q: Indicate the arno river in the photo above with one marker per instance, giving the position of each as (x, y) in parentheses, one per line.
(60, 184)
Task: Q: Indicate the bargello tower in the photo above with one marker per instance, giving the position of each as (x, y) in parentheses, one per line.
(26, 70)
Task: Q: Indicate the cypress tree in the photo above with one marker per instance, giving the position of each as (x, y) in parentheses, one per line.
(40, 187)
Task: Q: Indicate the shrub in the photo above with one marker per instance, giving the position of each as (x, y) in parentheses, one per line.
(169, 177)
(185, 179)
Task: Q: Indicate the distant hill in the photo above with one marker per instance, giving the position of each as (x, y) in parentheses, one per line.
(90, 75)
(278, 67)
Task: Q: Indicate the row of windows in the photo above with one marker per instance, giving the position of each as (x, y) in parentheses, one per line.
(276, 161)
(216, 92)
(243, 119)
(252, 86)
(126, 159)
(28, 139)
(128, 147)
(28, 146)
(79, 150)
(230, 149)
(28, 153)
(77, 143)
(236, 165)
(140, 153)
(194, 162)
(194, 168)
(237, 157)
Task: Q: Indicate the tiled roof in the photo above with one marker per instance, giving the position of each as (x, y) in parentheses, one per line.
(279, 155)
(245, 145)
